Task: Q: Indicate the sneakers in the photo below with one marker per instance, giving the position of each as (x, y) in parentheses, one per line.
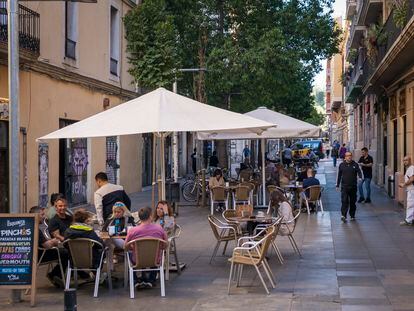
(405, 223)
(368, 201)
(143, 284)
(361, 200)
(55, 280)
(343, 218)
(352, 218)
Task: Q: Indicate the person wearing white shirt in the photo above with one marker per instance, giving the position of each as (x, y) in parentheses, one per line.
(409, 185)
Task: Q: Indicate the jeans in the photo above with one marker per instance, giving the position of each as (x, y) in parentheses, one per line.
(348, 198)
(367, 182)
(334, 161)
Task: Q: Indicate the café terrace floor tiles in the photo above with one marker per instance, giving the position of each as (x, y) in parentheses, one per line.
(355, 266)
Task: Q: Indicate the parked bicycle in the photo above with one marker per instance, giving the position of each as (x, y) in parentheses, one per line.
(192, 188)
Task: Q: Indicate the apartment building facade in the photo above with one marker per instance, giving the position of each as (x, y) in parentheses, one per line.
(73, 65)
(381, 84)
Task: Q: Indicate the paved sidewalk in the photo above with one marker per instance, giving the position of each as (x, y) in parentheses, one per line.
(363, 265)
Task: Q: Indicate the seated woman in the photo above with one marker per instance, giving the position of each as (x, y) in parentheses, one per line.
(280, 205)
(81, 228)
(217, 180)
(120, 219)
(163, 215)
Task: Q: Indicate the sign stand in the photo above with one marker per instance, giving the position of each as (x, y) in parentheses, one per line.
(18, 252)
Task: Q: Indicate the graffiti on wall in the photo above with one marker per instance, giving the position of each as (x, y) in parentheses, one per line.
(43, 174)
(77, 169)
(112, 165)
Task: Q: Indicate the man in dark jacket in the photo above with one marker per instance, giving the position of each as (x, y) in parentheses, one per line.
(80, 228)
(366, 162)
(348, 172)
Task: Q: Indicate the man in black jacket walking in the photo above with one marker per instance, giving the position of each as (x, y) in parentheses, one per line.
(348, 172)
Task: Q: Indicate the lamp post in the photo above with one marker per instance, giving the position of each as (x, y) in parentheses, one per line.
(175, 134)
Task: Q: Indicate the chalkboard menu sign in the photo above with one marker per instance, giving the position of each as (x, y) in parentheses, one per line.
(18, 250)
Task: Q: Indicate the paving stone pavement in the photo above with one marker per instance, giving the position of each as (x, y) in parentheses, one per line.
(363, 265)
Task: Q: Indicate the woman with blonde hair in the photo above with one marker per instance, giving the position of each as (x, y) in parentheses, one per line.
(120, 219)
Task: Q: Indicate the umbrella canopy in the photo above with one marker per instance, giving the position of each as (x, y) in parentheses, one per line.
(159, 111)
(287, 127)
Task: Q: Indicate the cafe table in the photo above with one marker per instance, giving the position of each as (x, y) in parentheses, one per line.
(110, 256)
(294, 188)
(252, 220)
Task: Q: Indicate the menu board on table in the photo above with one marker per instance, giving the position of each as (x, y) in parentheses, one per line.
(18, 251)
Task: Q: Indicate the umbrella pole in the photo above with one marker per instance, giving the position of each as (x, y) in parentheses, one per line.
(154, 165)
(162, 162)
(263, 171)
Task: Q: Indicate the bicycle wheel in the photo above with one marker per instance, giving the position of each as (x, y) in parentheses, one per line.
(189, 191)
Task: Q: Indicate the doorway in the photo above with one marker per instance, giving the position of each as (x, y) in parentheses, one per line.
(112, 159)
(395, 145)
(4, 167)
(73, 168)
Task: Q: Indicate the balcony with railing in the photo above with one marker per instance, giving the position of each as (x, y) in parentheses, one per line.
(353, 77)
(351, 6)
(394, 55)
(29, 29)
(370, 11)
(356, 35)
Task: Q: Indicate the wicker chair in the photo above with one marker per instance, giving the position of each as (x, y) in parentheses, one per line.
(241, 195)
(313, 194)
(253, 253)
(81, 253)
(149, 255)
(219, 194)
(223, 232)
(172, 250)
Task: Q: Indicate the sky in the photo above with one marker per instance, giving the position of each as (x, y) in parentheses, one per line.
(339, 10)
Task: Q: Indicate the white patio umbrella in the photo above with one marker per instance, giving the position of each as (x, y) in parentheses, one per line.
(287, 127)
(160, 112)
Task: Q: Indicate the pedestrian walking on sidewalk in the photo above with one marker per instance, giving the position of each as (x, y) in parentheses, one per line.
(366, 162)
(409, 185)
(335, 152)
(342, 152)
(348, 173)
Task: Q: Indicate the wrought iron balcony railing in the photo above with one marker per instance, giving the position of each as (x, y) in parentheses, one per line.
(392, 32)
(29, 27)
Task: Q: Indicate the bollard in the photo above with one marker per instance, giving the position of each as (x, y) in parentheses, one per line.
(70, 300)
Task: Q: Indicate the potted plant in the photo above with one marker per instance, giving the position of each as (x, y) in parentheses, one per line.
(375, 38)
(352, 55)
(400, 12)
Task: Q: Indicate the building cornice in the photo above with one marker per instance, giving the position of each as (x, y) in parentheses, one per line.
(61, 74)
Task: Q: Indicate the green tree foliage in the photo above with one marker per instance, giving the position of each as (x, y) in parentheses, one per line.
(151, 35)
(320, 98)
(258, 52)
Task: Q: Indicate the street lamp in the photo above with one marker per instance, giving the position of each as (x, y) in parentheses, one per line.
(175, 134)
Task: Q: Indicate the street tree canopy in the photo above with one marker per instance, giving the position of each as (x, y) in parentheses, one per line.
(258, 53)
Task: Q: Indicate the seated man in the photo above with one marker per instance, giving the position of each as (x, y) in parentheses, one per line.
(309, 181)
(61, 221)
(150, 230)
(54, 276)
